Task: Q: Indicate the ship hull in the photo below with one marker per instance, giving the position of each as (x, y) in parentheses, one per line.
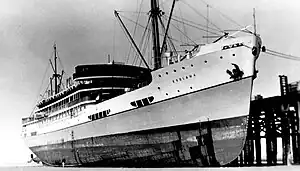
(212, 143)
(210, 129)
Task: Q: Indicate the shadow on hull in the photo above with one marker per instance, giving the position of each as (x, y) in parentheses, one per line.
(211, 143)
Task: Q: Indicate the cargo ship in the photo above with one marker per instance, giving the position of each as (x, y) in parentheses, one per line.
(191, 111)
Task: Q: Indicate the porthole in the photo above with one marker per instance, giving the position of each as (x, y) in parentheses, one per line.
(176, 80)
(179, 79)
(191, 87)
(186, 77)
(221, 57)
(205, 61)
(194, 75)
(159, 75)
(173, 81)
(167, 94)
(174, 70)
(233, 54)
(178, 91)
(190, 76)
(167, 73)
(183, 67)
(158, 88)
(192, 65)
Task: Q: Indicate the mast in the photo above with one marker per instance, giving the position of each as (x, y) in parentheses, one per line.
(55, 75)
(207, 22)
(51, 89)
(154, 14)
(254, 21)
(168, 25)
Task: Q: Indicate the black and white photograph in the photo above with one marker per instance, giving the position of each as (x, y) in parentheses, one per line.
(149, 84)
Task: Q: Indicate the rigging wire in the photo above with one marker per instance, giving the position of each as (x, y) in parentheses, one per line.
(134, 31)
(183, 26)
(41, 86)
(134, 12)
(194, 27)
(162, 3)
(144, 46)
(127, 36)
(202, 29)
(59, 60)
(142, 43)
(201, 15)
(63, 70)
(34, 106)
(225, 16)
(171, 45)
(145, 27)
(198, 24)
(147, 42)
(282, 55)
(114, 38)
(183, 34)
(142, 40)
(207, 14)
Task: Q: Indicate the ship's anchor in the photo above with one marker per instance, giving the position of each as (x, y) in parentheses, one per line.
(236, 73)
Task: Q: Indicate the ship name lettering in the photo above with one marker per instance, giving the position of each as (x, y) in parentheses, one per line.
(232, 46)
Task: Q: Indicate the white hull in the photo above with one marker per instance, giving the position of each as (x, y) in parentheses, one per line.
(129, 128)
(192, 91)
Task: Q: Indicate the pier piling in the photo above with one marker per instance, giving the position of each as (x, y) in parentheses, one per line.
(273, 129)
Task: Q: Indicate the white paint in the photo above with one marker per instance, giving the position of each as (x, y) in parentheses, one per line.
(201, 71)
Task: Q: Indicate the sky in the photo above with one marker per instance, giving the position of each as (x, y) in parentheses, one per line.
(87, 31)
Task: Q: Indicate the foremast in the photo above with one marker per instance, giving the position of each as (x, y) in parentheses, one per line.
(155, 14)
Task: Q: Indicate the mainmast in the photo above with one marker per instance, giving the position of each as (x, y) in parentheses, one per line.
(55, 75)
(154, 14)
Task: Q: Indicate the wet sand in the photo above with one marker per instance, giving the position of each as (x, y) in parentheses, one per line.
(43, 168)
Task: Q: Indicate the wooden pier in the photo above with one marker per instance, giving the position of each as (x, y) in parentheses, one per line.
(272, 120)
